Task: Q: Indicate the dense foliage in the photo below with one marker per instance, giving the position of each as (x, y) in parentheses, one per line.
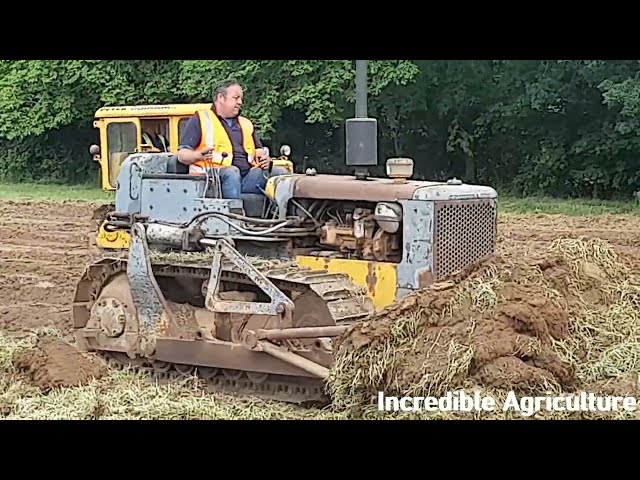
(566, 128)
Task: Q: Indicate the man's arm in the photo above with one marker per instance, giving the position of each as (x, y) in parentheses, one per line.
(260, 152)
(189, 141)
(256, 139)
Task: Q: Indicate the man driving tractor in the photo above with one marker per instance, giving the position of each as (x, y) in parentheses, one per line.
(220, 137)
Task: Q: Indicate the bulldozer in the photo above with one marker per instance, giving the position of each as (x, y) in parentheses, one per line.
(251, 294)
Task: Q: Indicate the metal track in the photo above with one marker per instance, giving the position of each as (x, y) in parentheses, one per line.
(346, 303)
(235, 382)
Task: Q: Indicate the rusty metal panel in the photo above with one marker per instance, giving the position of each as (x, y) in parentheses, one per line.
(464, 233)
(347, 187)
(443, 237)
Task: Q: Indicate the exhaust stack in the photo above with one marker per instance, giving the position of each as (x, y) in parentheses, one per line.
(361, 131)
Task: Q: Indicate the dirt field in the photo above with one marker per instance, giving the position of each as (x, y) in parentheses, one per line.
(44, 248)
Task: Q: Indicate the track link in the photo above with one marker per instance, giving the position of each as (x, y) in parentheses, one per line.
(235, 382)
(346, 303)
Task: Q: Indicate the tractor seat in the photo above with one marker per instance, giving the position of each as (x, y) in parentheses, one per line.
(253, 203)
(176, 167)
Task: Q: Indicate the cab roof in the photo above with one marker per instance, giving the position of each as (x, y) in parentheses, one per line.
(150, 110)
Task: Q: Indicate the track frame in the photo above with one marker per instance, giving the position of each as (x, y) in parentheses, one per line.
(293, 360)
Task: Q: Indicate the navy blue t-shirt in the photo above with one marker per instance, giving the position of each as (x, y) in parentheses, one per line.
(191, 136)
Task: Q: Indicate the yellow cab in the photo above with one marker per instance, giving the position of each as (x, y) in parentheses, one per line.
(125, 130)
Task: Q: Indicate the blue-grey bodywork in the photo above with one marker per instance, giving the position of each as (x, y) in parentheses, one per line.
(444, 225)
(146, 188)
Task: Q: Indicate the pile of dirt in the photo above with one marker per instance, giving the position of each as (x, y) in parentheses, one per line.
(563, 320)
(52, 362)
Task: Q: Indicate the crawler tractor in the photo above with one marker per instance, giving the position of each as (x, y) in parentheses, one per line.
(250, 294)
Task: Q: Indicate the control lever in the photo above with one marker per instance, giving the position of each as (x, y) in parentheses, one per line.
(266, 151)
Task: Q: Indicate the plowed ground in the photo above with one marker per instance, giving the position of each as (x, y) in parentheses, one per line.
(43, 251)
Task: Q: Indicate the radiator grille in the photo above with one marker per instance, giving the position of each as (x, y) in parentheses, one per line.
(464, 233)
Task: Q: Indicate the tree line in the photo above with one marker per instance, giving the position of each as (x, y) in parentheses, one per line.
(560, 128)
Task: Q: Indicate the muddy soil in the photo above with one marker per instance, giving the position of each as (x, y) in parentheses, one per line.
(447, 338)
(53, 363)
(506, 347)
(43, 251)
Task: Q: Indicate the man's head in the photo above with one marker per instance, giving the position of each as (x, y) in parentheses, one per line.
(227, 99)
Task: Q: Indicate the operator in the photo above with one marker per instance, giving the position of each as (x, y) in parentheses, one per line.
(220, 137)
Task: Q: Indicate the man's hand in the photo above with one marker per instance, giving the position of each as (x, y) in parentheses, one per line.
(205, 151)
(189, 157)
(262, 158)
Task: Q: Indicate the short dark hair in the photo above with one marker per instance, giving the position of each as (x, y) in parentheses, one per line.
(221, 88)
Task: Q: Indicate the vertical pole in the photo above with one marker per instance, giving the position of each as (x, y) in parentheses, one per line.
(361, 131)
(361, 172)
(361, 88)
